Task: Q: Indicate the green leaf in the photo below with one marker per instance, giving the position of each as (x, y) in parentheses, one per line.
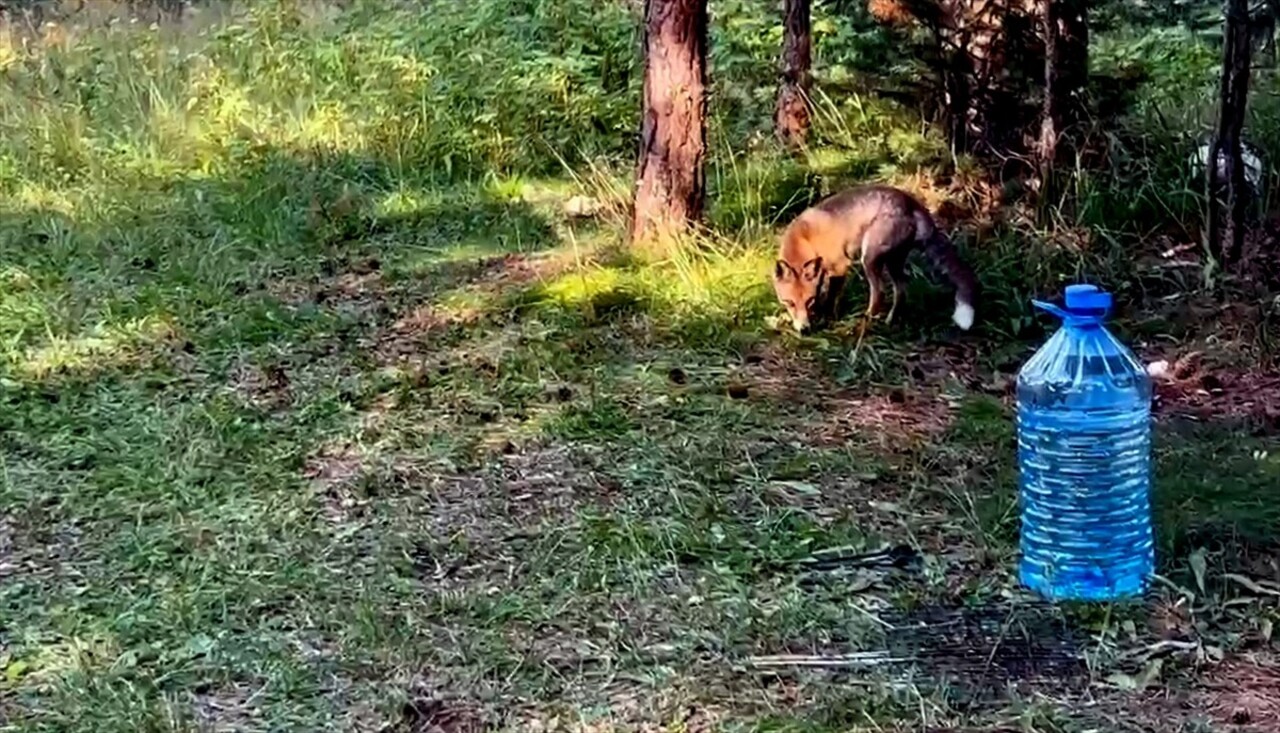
(199, 645)
(1123, 681)
(1130, 683)
(800, 487)
(1151, 673)
(14, 670)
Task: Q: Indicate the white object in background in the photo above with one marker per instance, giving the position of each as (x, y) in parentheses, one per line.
(1158, 369)
(1252, 162)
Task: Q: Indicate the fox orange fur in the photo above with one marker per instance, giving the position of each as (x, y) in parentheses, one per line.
(878, 226)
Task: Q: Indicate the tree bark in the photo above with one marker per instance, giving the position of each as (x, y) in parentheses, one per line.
(1225, 167)
(792, 117)
(670, 175)
(1066, 73)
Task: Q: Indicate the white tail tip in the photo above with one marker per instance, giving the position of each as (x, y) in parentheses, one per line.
(963, 316)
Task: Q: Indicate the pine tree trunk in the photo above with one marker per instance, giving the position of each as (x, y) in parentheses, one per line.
(1066, 72)
(670, 176)
(1225, 167)
(792, 117)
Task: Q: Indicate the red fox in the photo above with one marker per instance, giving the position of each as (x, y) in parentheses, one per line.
(879, 225)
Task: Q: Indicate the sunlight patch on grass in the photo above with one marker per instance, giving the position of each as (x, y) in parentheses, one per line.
(545, 196)
(463, 306)
(217, 117)
(10, 55)
(232, 112)
(725, 289)
(190, 114)
(52, 660)
(699, 282)
(24, 309)
(31, 195)
(550, 191)
(830, 160)
(588, 285)
(406, 202)
(14, 279)
(102, 348)
(715, 281)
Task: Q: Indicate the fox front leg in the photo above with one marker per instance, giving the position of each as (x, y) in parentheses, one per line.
(831, 304)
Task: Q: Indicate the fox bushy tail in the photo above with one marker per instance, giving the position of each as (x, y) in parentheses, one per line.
(940, 251)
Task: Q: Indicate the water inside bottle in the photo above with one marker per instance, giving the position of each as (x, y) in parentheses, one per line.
(1084, 445)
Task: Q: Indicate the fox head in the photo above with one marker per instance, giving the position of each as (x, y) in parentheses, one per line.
(800, 290)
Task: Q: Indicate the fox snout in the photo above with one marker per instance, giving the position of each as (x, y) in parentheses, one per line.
(800, 313)
(799, 290)
(798, 310)
(800, 321)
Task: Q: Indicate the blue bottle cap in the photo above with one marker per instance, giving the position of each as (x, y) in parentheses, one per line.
(1087, 299)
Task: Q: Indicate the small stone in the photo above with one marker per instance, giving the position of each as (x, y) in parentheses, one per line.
(1158, 369)
(581, 206)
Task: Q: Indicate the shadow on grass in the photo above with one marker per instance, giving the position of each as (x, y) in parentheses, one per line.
(771, 187)
(196, 339)
(225, 261)
(1216, 488)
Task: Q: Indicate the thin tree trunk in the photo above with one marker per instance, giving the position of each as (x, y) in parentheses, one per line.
(975, 52)
(1066, 70)
(792, 117)
(1262, 30)
(982, 48)
(670, 176)
(957, 73)
(1051, 118)
(1232, 105)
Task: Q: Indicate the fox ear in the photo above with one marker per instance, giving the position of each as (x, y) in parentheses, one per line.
(811, 268)
(782, 271)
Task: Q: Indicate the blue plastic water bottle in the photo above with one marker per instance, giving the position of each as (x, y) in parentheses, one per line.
(1084, 456)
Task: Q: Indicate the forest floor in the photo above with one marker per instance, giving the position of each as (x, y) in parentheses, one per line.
(499, 486)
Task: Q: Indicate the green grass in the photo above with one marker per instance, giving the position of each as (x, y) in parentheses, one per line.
(318, 411)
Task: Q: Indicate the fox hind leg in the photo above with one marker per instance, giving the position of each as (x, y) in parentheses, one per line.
(875, 286)
(882, 244)
(896, 265)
